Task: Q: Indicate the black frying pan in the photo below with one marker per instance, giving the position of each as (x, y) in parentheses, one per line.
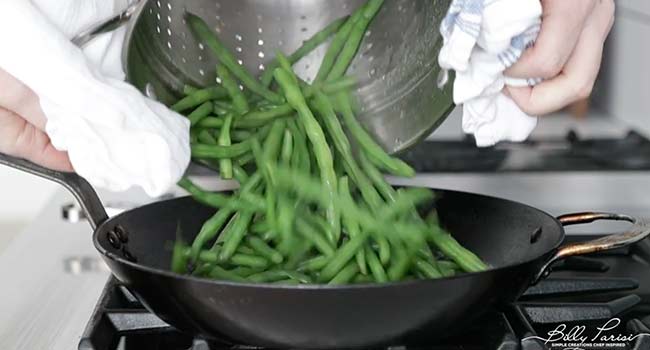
(519, 241)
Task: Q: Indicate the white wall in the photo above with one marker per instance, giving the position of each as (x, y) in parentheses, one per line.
(22, 196)
(626, 71)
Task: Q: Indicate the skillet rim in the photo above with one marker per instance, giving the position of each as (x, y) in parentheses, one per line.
(316, 287)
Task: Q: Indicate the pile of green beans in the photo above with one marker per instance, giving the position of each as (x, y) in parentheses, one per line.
(309, 209)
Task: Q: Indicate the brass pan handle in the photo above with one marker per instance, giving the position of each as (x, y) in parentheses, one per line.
(640, 230)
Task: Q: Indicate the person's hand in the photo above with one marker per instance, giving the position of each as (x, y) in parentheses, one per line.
(567, 54)
(22, 125)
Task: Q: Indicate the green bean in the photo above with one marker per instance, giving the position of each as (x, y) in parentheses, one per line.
(287, 147)
(244, 271)
(251, 120)
(354, 39)
(225, 164)
(351, 224)
(315, 264)
(264, 249)
(363, 279)
(320, 147)
(286, 208)
(237, 96)
(448, 268)
(298, 254)
(336, 46)
(467, 260)
(289, 282)
(239, 174)
(346, 275)
(200, 113)
(249, 260)
(272, 146)
(377, 270)
(386, 190)
(312, 234)
(206, 256)
(189, 89)
(199, 97)
(383, 247)
(400, 264)
(236, 235)
(202, 270)
(224, 235)
(300, 159)
(260, 227)
(218, 200)
(311, 190)
(374, 151)
(206, 137)
(308, 46)
(225, 57)
(343, 256)
(209, 230)
(427, 269)
(244, 159)
(243, 249)
(328, 116)
(179, 258)
(220, 273)
(240, 135)
(337, 85)
(405, 201)
(218, 152)
(268, 276)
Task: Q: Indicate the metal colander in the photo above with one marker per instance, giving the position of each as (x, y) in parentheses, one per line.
(396, 66)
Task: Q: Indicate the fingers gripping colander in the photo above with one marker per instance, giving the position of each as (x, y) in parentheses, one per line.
(396, 66)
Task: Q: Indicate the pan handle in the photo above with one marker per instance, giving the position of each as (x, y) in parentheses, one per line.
(640, 229)
(78, 186)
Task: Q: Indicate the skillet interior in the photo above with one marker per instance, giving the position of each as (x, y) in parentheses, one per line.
(497, 230)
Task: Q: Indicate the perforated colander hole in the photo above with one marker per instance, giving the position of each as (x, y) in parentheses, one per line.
(238, 37)
(158, 29)
(241, 87)
(260, 54)
(239, 49)
(169, 6)
(260, 42)
(183, 59)
(201, 47)
(169, 45)
(158, 16)
(218, 80)
(241, 63)
(260, 30)
(261, 67)
(202, 72)
(158, 4)
(169, 32)
(200, 58)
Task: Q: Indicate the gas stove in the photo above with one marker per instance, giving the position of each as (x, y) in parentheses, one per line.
(607, 296)
(57, 294)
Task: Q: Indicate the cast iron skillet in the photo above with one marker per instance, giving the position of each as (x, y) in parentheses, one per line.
(519, 241)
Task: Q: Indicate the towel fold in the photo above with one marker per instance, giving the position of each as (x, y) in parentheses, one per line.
(482, 38)
(116, 137)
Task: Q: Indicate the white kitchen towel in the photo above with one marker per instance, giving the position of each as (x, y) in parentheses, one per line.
(482, 38)
(116, 138)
